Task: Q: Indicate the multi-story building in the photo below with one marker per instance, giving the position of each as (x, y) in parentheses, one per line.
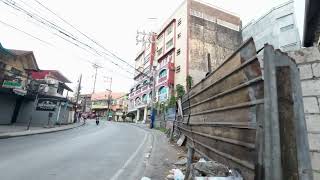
(277, 27)
(141, 93)
(101, 104)
(193, 32)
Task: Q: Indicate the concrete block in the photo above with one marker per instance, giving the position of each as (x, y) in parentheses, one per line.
(315, 160)
(316, 69)
(310, 105)
(305, 71)
(304, 55)
(316, 175)
(310, 87)
(313, 122)
(314, 142)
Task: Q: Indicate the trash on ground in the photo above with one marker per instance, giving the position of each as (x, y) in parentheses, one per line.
(181, 162)
(181, 140)
(211, 170)
(145, 178)
(175, 174)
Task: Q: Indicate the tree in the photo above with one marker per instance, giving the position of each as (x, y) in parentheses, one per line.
(180, 90)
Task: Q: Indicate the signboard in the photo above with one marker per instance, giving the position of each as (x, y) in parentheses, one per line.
(11, 84)
(46, 104)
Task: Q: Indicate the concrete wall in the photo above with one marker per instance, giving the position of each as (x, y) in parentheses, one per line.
(209, 37)
(277, 27)
(40, 118)
(308, 60)
(7, 105)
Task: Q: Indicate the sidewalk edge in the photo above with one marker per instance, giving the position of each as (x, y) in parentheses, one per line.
(11, 135)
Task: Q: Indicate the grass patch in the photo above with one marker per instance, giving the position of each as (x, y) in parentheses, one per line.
(161, 129)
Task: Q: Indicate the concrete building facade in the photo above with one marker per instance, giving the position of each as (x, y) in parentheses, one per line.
(180, 52)
(278, 27)
(308, 60)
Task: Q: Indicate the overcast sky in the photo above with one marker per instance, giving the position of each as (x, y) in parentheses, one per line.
(113, 23)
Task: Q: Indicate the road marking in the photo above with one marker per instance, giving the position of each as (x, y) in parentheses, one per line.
(118, 173)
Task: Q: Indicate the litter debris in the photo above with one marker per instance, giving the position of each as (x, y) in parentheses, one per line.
(181, 140)
(145, 178)
(175, 174)
(178, 175)
(181, 162)
(211, 170)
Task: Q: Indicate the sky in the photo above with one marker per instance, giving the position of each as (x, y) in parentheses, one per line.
(111, 23)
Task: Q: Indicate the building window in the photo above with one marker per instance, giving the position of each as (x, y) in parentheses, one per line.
(286, 28)
(163, 93)
(144, 98)
(145, 82)
(2, 65)
(159, 52)
(179, 35)
(163, 73)
(179, 22)
(178, 69)
(160, 38)
(138, 87)
(169, 30)
(169, 43)
(178, 51)
(146, 59)
(15, 71)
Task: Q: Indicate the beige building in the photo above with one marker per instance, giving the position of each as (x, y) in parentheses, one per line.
(179, 50)
(193, 31)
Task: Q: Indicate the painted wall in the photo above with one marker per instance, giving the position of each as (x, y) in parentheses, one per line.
(278, 27)
(308, 60)
(7, 105)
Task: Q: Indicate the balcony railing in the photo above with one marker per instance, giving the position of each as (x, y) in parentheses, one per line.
(162, 79)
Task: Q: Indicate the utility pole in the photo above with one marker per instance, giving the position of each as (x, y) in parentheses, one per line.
(77, 98)
(153, 99)
(109, 96)
(95, 66)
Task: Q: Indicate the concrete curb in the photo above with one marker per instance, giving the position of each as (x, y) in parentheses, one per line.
(34, 132)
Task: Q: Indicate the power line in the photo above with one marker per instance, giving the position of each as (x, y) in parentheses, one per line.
(38, 18)
(101, 46)
(26, 33)
(85, 34)
(56, 46)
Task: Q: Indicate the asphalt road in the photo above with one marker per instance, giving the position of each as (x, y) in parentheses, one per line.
(108, 151)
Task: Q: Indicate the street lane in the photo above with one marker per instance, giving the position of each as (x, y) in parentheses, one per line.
(88, 152)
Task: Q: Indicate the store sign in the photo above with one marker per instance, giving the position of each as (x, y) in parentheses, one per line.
(11, 84)
(46, 104)
(20, 92)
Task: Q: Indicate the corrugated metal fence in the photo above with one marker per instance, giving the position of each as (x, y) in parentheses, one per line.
(228, 117)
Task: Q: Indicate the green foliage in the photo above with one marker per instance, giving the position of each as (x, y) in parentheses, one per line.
(172, 102)
(189, 82)
(180, 90)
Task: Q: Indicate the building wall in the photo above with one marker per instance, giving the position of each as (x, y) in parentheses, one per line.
(40, 118)
(7, 105)
(212, 31)
(308, 60)
(181, 43)
(278, 27)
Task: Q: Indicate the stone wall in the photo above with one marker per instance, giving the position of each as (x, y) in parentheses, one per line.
(209, 37)
(308, 60)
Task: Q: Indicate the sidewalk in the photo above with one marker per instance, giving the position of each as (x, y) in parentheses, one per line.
(163, 154)
(9, 131)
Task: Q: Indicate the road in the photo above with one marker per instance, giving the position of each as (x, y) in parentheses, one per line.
(108, 151)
